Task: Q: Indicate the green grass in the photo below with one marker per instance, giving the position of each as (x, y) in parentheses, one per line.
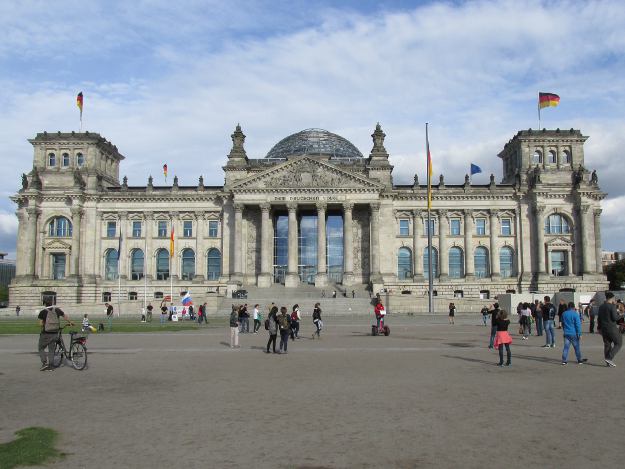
(33, 447)
(31, 326)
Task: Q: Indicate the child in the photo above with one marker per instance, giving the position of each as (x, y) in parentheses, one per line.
(503, 338)
(86, 327)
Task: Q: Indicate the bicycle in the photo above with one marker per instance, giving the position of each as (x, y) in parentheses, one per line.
(77, 353)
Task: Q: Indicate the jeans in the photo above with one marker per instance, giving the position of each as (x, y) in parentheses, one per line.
(284, 339)
(568, 340)
(508, 354)
(272, 340)
(484, 318)
(550, 333)
(109, 319)
(592, 323)
(294, 328)
(539, 325)
(47, 339)
(612, 341)
(256, 325)
(234, 336)
(318, 326)
(493, 333)
(163, 318)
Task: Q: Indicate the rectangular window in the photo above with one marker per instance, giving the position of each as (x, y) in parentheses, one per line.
(506, 227)
(432, 226)
(111, 229)
(162, 229)
(106, 296)
(480, 226)
(404, 227)
(212, 228)
(136, 229)
(58, 266)
(454, 226)
(187, 229)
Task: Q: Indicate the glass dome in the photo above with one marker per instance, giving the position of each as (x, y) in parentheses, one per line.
(314, 142)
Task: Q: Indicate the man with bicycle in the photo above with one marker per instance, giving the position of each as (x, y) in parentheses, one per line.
(50, 322)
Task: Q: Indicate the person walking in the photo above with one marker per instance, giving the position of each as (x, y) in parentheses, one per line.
(17, 311)
(246, 320)
(572, 331)
(452, 313)
(526, 314)
(257, 318)
(295, 318)
(234, 327)
(50, 322)
(273, 328)
(593, 310)
(285, 329)
(494, 313)
(484, 312)
(549, 315)
(317, 320)
(612, 339)
(503, 338)
(109, 315)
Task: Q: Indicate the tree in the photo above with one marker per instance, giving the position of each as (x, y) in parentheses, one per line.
(4, 293)
(616, 275)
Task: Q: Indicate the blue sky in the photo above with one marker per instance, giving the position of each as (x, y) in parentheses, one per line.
(168, 81)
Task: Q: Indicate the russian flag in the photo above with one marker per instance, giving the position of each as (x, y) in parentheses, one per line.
(187, 300)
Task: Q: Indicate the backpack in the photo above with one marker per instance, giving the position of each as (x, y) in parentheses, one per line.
(266, 324)
(52, 322)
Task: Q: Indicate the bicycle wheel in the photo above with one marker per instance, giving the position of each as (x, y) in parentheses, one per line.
(57, 359)
(78, 355)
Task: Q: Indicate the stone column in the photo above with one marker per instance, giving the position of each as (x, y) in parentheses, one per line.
(238, 241)
(443, 226)
(348, 245)
(321, 280)
(31, 248)
(375, 276)
(292, 276)
(569, 260)
(417, 251)
(584, 229)
(20, 265)
(266, 238)
(540, 240)
(97, 245)
(77, 214)
(599, 265)
(469, 263)
(148, 220)
(122, 263)
(494, 252)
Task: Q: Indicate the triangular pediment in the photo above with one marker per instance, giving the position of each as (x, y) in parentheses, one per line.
(559, 242)
(58, 245)
(306, 173)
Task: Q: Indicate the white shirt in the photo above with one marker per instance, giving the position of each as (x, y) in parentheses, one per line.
(255, 313)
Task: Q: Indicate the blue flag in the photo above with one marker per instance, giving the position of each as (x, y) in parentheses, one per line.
(475, 169)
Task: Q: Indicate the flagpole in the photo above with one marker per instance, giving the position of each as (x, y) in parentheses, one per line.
(81, 121)
(538, 111)
(119, 276)
(429, 196)
(145, 268)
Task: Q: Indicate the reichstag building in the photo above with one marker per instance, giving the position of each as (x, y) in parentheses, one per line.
(313, 211)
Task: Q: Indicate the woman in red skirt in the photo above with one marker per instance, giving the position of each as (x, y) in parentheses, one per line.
(503, 338)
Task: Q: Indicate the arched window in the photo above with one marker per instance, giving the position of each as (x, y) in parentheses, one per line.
(456, 263)
(51, 159)
(60, 227)
(65, 159)
(480, 261)
(136, 264)
(80, 159)
(188, 264)
(506, 261)
(404, 264)
(111, 262)
(213, 268)
(162, 264)
(537, 157)
(552, 157)
(426, 257)
(556, 224)
(566, 157)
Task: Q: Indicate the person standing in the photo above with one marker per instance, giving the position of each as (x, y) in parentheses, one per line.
(549, 317)
(526, 314)
(317, 320)
(593, 310)
(452, 313)
(285, 329)
(537, 314)
(484, 312)
(234, 328)
(273, 328)
(150, 308)
(109, 315)
(295, 318)
(494, 313)
(572, 331)
(164, 313)
(50, 322)
(612, 339)
(353, 294)
(256, 319)
(503, 338)
(17, 311)
(561, 309)
(334, 294)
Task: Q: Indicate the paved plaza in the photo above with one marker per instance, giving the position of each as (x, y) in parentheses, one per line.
(429, 395)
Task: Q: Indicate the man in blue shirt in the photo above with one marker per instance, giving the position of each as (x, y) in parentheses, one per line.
(572, 329)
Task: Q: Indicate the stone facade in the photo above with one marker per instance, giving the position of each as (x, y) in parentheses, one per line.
(539, 229)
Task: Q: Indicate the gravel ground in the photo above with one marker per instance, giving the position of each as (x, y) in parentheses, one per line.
(429, 395)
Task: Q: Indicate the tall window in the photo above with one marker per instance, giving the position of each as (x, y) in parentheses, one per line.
(404, 263)
(51, 159)
(537, 157)
(426, 256)
(58, 266)
(480, 262)
(480, 226)
(162, 229)
(506, 261)
(162, 264)
(558, 263)
(80, 159)
(213, 268)
(566, 157)
(60, 227)
(280, 248)
(334, 241)
(213, 226)
(506, 227)
(454, 226)
(136, 229)
(556, 224)
(111, 263)
(552, 157)
(188, 264)
(187, 229)
(404, 227)
(66, 159)
(136, 264)
(307, 248)
(111, 229)
(456, 263)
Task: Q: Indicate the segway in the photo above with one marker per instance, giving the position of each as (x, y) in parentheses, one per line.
(384, 329)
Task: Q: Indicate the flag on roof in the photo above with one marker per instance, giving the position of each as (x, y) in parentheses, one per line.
(79, 101)
(475, 169)
(548, 100)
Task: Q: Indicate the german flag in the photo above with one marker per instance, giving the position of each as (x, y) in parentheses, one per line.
(548, 100)
(79, 101)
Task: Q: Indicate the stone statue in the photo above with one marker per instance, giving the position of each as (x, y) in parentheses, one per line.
(24, 181)
(176, 181)
(537, 175)
(150, 181)
(441, 181)
(594, 180)
(201, 181)
(125, 181)
(492, 179)
(466, 179)
(416, 181)
(578, 177)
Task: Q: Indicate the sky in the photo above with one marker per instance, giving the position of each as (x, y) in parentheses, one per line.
(167, 82)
